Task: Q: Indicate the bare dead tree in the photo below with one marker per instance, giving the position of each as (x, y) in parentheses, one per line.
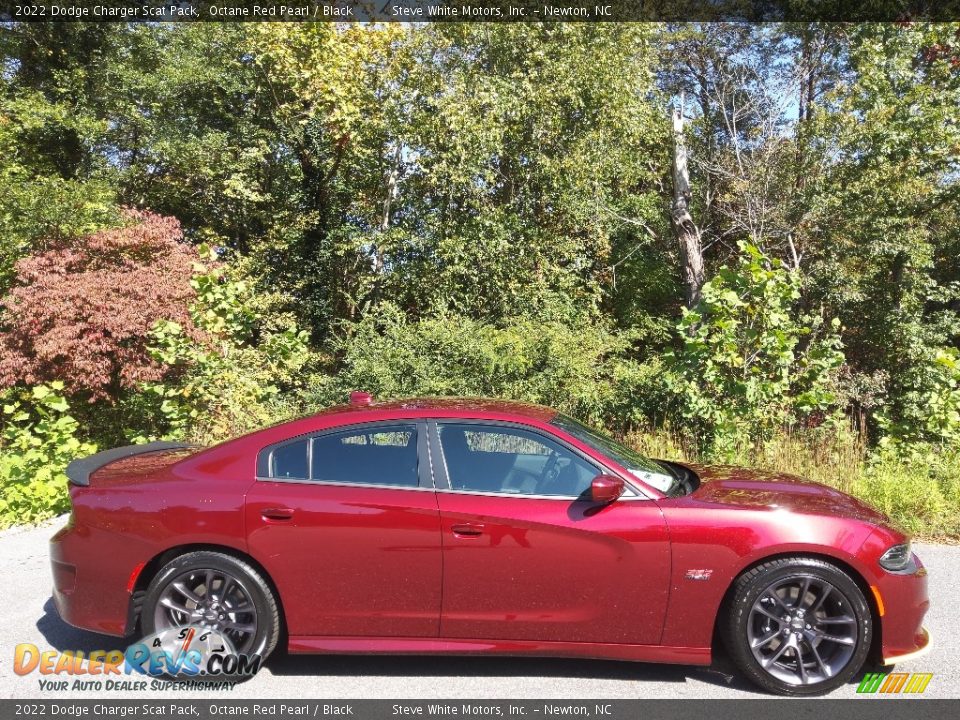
(390, 178)
(684, 228)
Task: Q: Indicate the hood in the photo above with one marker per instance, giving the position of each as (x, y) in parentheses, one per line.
(760, 489)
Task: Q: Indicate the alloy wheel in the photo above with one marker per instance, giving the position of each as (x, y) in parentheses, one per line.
(212, 599)
(802, 630)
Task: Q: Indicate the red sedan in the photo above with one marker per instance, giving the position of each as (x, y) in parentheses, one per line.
(480, 526)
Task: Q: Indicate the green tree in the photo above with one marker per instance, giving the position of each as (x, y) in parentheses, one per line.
(524, 148)
(749, 365)
(883, 202)
(579, 368)
(231, 379)
(55, 180)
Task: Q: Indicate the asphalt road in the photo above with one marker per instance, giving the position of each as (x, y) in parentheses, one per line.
(29, 616)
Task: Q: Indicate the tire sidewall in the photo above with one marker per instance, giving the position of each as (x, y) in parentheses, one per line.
(253, 584)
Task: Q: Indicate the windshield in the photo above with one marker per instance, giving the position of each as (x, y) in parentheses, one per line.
(643, 468)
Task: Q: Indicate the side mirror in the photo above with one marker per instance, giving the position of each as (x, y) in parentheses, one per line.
(606, 488)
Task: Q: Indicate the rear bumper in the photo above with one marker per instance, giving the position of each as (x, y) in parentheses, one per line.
(88, 587)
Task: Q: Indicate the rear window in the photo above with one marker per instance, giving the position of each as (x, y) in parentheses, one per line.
(380, 455)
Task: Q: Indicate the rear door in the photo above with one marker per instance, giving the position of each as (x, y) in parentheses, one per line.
(347, 525)
(527, 554)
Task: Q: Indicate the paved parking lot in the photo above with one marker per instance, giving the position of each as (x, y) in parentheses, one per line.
(29, 616)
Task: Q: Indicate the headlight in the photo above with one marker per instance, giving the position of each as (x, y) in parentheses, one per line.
(896, 558)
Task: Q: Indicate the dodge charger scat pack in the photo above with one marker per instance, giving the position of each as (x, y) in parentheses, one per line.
(482, 527)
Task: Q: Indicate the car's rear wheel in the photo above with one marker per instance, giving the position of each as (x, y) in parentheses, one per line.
(215, 591)
(798, 626)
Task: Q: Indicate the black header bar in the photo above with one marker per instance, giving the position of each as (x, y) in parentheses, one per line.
(479, 10)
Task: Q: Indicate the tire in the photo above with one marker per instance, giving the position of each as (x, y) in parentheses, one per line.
(798, 605)
(237, 591)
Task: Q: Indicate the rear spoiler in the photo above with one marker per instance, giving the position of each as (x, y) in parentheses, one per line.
(80, 470)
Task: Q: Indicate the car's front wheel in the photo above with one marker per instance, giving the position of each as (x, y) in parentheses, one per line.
(798, 626)
(218, 592)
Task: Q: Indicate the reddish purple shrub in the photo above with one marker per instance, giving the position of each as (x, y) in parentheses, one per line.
(82, 311)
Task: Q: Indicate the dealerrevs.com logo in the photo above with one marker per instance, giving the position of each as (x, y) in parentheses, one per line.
(894, 683)
(182, 658)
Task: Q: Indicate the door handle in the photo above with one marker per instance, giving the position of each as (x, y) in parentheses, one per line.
(277, 513)
(467, 529)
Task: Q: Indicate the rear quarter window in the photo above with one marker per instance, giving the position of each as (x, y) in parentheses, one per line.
(290, 461)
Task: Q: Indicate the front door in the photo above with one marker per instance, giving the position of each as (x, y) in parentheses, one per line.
(528, 556)
(346, 524)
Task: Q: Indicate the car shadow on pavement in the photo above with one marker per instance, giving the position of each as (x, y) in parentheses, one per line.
(61, 636)
(721, 673)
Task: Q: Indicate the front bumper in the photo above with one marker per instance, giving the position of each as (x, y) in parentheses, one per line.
(927, 644)
(904, 600)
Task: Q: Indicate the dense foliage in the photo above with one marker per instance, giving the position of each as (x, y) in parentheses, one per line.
(538, 359)
(39, 439)
(486, 209)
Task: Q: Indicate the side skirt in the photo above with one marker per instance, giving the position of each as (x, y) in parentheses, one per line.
(309, 644)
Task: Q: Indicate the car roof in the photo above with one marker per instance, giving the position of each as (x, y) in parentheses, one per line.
(410, 408)
(449, 407)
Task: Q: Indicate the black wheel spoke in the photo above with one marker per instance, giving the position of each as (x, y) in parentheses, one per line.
(776, 656)
(187, 592)
(824, 596)
(245, 628)
(844, 620)
(171, 605)
(801, 669)
(763, 611)
(824, 668)
(778, 600)
(765, 640)
(837, 639)
(225, 588)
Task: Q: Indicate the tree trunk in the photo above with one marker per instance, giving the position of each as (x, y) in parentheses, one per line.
(390, 178)
(684, 229)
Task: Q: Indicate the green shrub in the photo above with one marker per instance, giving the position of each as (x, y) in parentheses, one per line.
(750, 364)
(39, 439)
(577, 367)
(232, 381)
(919, 490)
(929, 410)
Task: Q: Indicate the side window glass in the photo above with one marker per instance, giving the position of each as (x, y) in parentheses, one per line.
(381, 455)
(290, 461)
(500, 459)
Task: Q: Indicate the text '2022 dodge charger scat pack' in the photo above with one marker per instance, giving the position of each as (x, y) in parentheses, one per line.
(483, 526)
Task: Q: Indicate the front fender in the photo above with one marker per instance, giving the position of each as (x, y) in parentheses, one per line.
(710, 549)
